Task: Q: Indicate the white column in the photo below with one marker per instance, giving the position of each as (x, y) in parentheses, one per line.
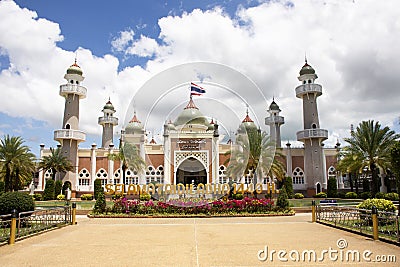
(111, 165)
(215, 160)
(325, 185)
(167, 158)
(93, 165)
(142, 175)
(289, 168)
(41, 172)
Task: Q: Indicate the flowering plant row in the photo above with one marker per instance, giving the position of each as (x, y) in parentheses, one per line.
(192, 207)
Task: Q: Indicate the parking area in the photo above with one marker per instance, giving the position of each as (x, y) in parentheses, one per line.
(255, 241)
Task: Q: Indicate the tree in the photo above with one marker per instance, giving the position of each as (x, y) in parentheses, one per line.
(288, 184)
(332, 187)
(55, 162)
(48, 193)
(17, 163)
(371, 145)
(395, 162)
(130, 158)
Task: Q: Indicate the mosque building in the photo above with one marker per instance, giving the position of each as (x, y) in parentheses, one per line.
(191, 151)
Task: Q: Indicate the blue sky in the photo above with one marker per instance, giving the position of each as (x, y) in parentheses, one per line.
(122, 44)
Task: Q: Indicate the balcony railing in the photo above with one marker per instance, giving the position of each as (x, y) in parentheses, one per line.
(76, 89)
(69, 134)
(308, 88)
(277, 119)
(312, 133)
(110, 120)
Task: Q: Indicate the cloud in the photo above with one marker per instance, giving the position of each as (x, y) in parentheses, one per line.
(351, 45)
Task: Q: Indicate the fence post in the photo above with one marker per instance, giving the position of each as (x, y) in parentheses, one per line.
(13, 227)
(73, 213)
(313, 211)
(375, 222)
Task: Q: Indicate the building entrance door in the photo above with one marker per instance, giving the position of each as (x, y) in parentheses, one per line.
(191, 171)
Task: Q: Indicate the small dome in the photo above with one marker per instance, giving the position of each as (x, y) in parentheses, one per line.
(109, 105)
(134, 126)
(248, 122)
(74, 69)
(274, 106)
(191, 115)
(307, 69)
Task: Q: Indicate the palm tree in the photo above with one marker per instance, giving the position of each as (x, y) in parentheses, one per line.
(55, 162)
(130, 158)
(17, 163)
(352, 164)
(371, 144)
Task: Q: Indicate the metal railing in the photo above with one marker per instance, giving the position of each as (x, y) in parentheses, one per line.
(360, 220)
(33, 222)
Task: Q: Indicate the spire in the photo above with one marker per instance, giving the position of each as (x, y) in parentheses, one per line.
(134, 119)
(191, 104)
(247, 118)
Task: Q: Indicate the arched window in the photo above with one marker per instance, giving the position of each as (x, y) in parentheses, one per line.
(48, 174)
(131, 177)
(298, 176)
(102, 174)
(155, 175)
(222, 176)
(67, 126)
(84, 177)
(331, 172)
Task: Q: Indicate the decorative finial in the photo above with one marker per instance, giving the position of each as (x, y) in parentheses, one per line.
(76, 56)
(305, 57)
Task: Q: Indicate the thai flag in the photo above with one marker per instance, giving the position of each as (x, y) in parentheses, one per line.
(196, 90)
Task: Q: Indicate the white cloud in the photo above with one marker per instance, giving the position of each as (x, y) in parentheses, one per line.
(352, 46)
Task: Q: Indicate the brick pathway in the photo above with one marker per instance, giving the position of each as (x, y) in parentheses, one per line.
(190, 242)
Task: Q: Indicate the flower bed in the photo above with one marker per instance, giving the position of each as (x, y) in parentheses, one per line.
(193, 208)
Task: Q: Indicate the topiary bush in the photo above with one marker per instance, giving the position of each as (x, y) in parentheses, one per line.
(37, 197)
(145, 197)
(321, 195)
(48, 193)
(282, 201)
(380, 204)
(97, 187)
(392, 196)
(58, 188)
(288, 184)
(16, 200)
(351, 195)
(365, 195)
(298, 196)
(332, 187)
(100, 206)
(2, 187)
(87, 197)
(341, 194)
(60, 197)
(380, 195)
(237, 196)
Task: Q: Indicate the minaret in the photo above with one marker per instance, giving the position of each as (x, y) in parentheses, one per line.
(275, 121)
(108, 121)
(312, 136)
(70, 135)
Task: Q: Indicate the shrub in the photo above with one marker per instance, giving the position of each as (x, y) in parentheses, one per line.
(58, 188)
(60, 197)
(37, 197)
(351, 195)
(298, 196)
(97, 187)
(332, 187)
(2, 187)
(380, 195)
(282, 201)
(380, 204)
(117, 196)
(288, 184)
(341, 194)
(392, 196)
(48, 193)
(16, 200)
(365, 195)
(100, 206)
(145, 197)
(237, 196)
(87, 197)
(365, 184)
(321, 195)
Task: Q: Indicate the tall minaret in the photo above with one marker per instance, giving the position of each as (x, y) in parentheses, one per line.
(108, 121)
(70, 135)
(312, 136)
(275, 121)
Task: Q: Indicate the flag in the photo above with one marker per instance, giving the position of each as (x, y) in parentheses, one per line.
(196, 90)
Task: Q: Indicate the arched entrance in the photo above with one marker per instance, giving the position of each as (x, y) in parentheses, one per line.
(318, 185)
(191, 170)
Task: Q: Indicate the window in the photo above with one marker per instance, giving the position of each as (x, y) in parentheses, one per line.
(131, 177)
(222, 176)
(102, 174)
(84, 177)
(155, 175)
(298, 176)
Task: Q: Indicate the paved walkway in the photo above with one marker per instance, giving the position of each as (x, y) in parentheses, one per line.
(193, 242)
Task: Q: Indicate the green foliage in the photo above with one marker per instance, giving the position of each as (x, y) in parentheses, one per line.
(145, 197)
(282, 201)
(351, 195)
(321, 195)
(117, 196)
(332, 187)
(341, 194)
(37, 197)
(395, 163)
(380, 195)
(87, 197)
(66, 185)
(298, 196)
(100, 206)
(97, 187)
(48, 193)
(366, 187)
(365, 195)
(2, 187)
(380, 204)
(237, 196)
(58, 188)
(392, 196)
(60, 197)
(288, 184)
(56, 162)
(16, 200)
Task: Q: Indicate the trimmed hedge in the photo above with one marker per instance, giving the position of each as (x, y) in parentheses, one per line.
(298, 196)
(100, 206)
(351, 195)
(16, 200)
(321, 195)
(87, 197)
(37, 197)
(97, 188)
(380, 204)
(58, 188)
(145, 197)
(48, 193)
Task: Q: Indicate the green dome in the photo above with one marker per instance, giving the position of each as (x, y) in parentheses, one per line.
(191, 115)
(274, 106)
(74, 69)
(307, 69)
(109, 105)
(134, 126)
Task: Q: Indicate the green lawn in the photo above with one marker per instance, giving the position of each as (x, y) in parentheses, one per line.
(80, 205)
